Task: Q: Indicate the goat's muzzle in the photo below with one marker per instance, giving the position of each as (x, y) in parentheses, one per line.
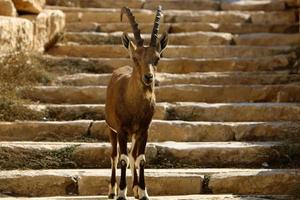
(148, 78)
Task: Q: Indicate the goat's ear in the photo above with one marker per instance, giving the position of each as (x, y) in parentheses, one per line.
(163, 42)
(125, 40)
(128, 43)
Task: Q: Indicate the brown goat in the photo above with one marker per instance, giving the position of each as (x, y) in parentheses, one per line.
(130, 106)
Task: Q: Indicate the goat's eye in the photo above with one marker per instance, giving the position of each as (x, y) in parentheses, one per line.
(156, 62)
(135, 60)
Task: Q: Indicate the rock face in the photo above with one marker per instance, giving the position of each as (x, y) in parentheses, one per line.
(7, 8)
(16, 35)
(29, 6)
(48, 27)
(29, 33)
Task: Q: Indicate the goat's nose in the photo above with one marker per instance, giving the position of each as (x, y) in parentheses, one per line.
(148, 77)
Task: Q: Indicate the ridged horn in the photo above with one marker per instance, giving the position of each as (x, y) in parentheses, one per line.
(134, 25)
(155, 30)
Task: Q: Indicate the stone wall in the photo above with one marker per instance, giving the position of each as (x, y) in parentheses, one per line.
(25, 26)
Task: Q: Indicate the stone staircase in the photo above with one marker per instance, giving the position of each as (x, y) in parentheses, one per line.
(226, 124)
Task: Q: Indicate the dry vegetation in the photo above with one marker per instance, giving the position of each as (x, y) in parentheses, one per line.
(18, 71)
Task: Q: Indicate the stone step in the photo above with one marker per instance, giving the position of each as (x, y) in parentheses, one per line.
(183, 111)
(160, 130)
(235, 28)
(253, 17)
(96, 3)
(267, 39)
(55, 155)
(105, 15)
(192, 38)
(178, 182)
(187, 5)
(267, 5)
(201, 51)
(173, 4)
(175, 65)
(170, 93)
(213, 78)
(177, 197)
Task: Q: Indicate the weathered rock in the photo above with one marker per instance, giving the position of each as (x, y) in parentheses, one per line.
(29, 6)
(16, 35)
(200, 38)
(237, 28)
(267, 5)
(47, 131)
(267, 39)
(193, 27)
(229, 17)
(104, 15)
(49, 26)
(98, 4)
(95, 182)
(35, 183)
(242, 28)
(206, 16)
(195, 38)
(211, 94)
(173, 93)
(7, 8)
(207, 78)
(276, 17)
(180, 131)
(177, 154)
(85, 111)
(175, 65)
(235, 112)
(251, 182)
(113, 27)
(54, 94)
(179, 5)
(173, 197)
(203, 51)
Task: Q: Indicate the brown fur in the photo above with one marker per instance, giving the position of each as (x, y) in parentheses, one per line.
(130, 103)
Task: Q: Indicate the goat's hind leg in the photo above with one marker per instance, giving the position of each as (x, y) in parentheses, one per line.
(124, 162)
(140, 164)
(114, 162)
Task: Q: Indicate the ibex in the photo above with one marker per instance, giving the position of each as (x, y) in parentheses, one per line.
(130, 105)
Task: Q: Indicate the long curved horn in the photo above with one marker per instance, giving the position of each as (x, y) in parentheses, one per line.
(155, 30)
(134, 25)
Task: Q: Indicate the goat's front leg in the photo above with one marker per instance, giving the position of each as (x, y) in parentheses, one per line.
(124, 162)
(132, 158)
(140, 164)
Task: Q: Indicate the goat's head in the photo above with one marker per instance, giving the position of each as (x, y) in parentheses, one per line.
(145, 58)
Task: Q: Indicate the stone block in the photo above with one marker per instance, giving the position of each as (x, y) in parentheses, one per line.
(7, 8)
(29, 6)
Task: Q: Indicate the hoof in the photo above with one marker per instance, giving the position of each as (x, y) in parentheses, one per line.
(145, 198)
(121, 198)
(111, 196)
(136, 197)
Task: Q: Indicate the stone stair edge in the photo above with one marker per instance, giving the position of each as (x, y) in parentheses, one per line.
(152, 11)
(91, 182)
(178, 197)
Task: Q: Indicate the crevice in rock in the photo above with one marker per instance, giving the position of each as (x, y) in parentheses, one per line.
(72, 189)
(205, 185)
(88, 131)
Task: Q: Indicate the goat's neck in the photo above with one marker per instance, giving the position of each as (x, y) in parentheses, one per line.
(137, 90)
